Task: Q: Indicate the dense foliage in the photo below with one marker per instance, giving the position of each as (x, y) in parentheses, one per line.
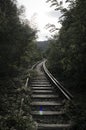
(17, 54)
(67, 53)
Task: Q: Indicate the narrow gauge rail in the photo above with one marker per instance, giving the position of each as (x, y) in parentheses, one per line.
(48, 101)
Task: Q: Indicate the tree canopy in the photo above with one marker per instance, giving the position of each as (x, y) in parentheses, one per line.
(18, 52)
(67, 54)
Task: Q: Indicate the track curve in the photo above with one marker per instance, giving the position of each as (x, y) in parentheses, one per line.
(48, 102)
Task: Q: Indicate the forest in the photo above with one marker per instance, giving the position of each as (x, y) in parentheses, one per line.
(67, 55)
(66, 60)
(18, 52)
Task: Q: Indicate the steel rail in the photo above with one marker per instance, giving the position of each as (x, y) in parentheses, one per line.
(63, 90)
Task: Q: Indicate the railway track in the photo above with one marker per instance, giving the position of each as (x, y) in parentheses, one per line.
(48, 101)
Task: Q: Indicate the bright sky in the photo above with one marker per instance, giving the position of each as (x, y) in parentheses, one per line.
(39, 13)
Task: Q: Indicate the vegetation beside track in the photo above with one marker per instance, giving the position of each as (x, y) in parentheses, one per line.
(66, 55)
